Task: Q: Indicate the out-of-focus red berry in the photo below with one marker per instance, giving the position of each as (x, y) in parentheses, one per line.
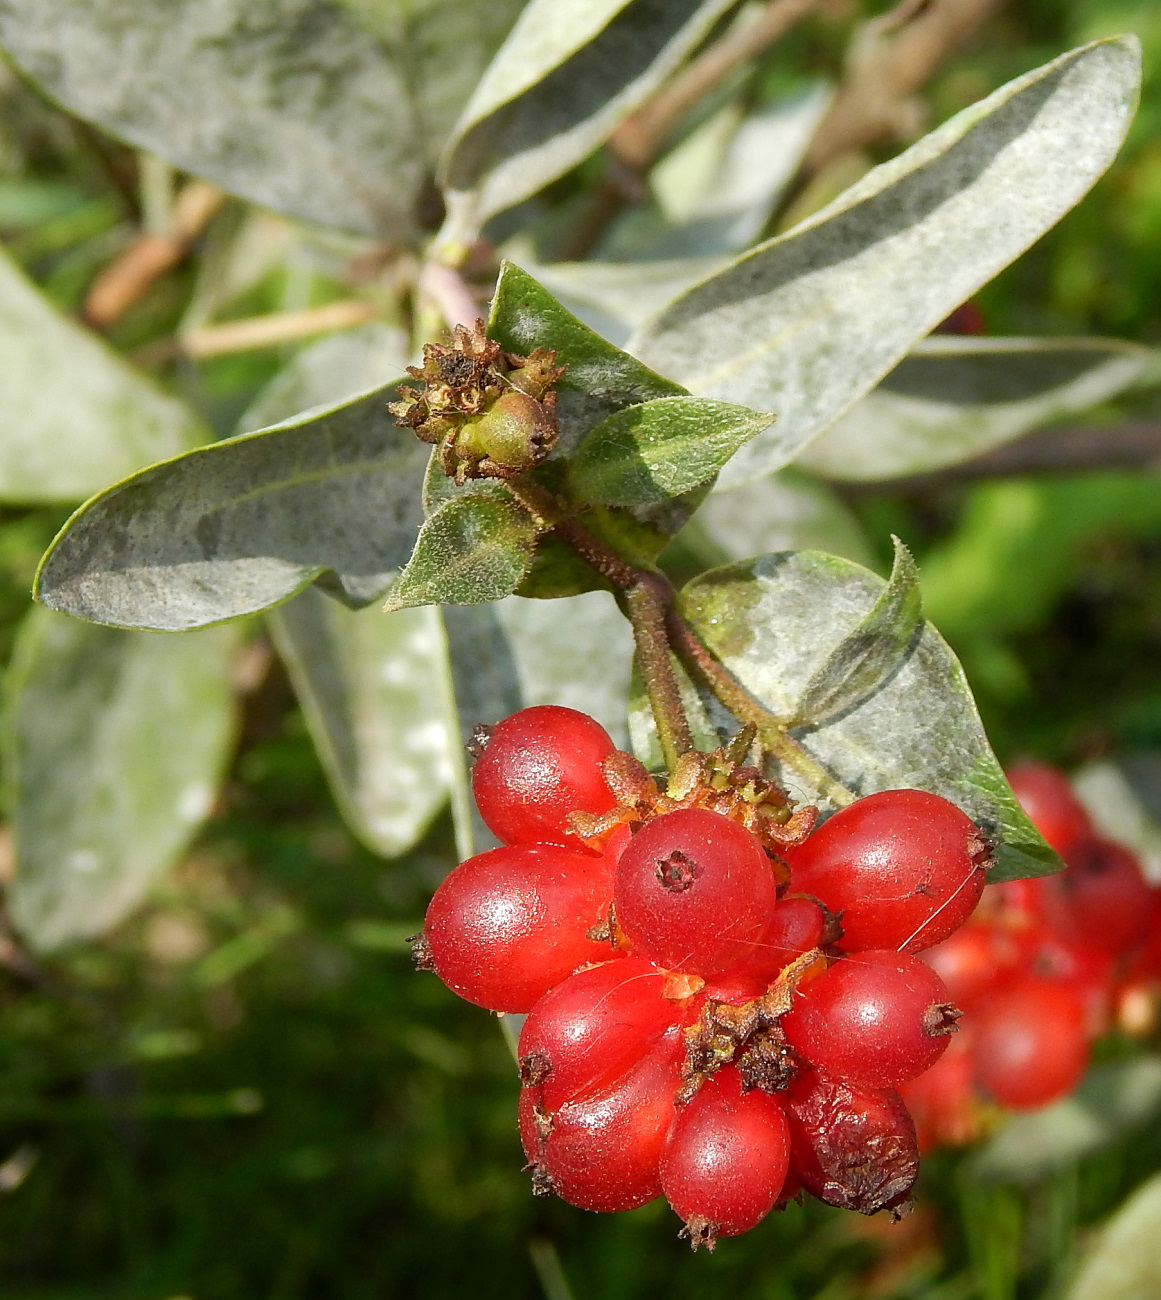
(1029, 1044)
(726, 1157)
(904, 867)
(942, 1100)
(507, 925)
(978, 958)
(538, 766)
(850, 1145)
(1046, 796)
(1101, 899)
(878, 1018)
(694, 892)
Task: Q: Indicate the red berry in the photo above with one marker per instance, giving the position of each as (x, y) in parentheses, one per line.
(942, 1101)
(905, 869)
(507, 925)
(1087, 973)
(850, 1145)
(877, 1017)
(694, 892)
(1047, 798)
(796, 926)
(538, 766)
(1101, 899)
(602, 1151)
(976, 959)
(593, 1026)
(1030, 1044)
(726, 1158)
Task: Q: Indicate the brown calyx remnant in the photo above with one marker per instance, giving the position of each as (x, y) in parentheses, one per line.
(534, 1068)
(749, 1034)
(481, 734)
(700, 1231)
(940, 1019)
(720, 781)
(491, 413)
(677, 872)
(421, 951)
(981, 849)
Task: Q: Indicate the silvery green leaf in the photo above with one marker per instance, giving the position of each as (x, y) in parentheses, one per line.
(115, 745)
(1123, 1263)
(807, 323)
(370, 685)
(329, 371)
(569, 72)
(774, 621)
(714, 193)
(73, 415)
(872, 650)
(241, 525)
(951, 399)
(645, 455)
(1112, 1100)
(293, 104)
(788, 511)
(472, 549)
(612, 298)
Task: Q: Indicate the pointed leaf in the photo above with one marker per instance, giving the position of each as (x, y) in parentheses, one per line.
(73, 415)
(647, 454)
(370, 687)
(807, 323)
(570, 71)
(871, 651)
(951, 399)
(772, 621)
(471, 550)
(243, 524)
(292, 104)
(115, 744)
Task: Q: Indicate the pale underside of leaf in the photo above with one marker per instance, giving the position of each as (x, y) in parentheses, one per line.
(241, 525)
(809, 322)
(952, 399)
(472, 549)
(289, 103)
(370, 687)
(774, 620)
(870, 652)
(1124, 1262)
(515, 137)
(115, 746)
(73, 415)
(646, 454)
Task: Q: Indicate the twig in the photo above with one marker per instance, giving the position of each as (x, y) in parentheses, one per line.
(642, 136)
(150, 255)
(891, 57)
(1066, 450)
(283, 327)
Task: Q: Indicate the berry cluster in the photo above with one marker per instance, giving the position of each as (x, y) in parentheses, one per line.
(721, 1000)
(1042, 968)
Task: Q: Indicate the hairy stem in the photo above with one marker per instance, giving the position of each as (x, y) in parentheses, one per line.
(650, 602)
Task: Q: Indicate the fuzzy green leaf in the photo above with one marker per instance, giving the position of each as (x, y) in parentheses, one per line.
(73, 415)
(472, 549)
(115, 744)
(570, 71)
(951, 399)
(870, 652)
(241, 525)
(648, 454)
(807, 323)
(371, 689)
(331, 113)
(773, 622)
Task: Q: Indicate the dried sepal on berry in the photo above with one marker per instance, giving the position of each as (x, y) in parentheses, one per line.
(490, 413)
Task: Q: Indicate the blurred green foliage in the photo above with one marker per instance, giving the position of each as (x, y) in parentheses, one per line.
(246, 1094)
